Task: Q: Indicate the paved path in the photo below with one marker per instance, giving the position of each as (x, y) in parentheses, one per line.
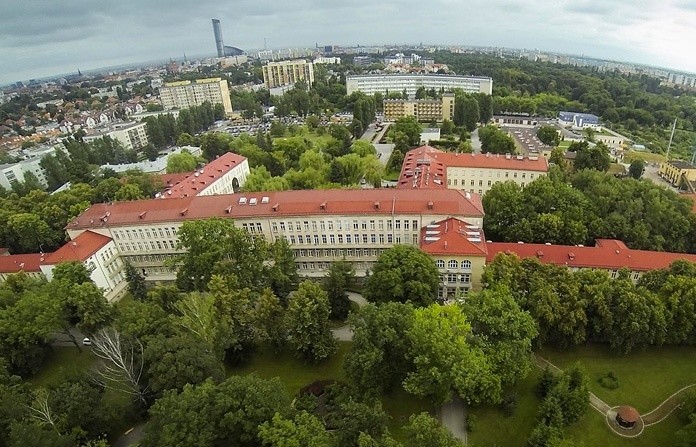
(453, 416)
(344, 333)
(656, 415)
(475, 141)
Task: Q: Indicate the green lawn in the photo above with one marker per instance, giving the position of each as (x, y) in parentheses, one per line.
(646, 378)
(592, 430)
(295, 374)
(629, 156)
(495, 430)
(60, 363)
(564, 144)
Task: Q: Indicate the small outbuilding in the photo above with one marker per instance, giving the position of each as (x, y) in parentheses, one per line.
(627, 417)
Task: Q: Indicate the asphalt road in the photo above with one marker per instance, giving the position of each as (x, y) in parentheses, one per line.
(453, 416)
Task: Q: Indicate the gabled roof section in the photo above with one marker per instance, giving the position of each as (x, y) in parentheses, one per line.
(608, 254)
(78, 249)
(453, 237)
(21, 263)
(385, 201)
(201, 179)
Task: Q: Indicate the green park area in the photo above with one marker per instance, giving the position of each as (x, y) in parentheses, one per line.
(649, 157)
(645, 379)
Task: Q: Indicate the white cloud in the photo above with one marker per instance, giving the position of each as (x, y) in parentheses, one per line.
(39, 38)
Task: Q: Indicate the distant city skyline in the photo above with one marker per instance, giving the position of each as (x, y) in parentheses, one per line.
(39, 39)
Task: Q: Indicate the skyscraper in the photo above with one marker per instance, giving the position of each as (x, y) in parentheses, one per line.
(218, 38)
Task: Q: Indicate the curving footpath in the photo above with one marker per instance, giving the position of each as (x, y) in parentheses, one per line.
(655, 416)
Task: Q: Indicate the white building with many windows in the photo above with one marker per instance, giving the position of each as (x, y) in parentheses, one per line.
(429, 168)
(411, 82)
(185, 94)
(322, 226)
(130, 135)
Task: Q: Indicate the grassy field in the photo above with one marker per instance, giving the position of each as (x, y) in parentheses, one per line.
(616, 168)
(60, 363)
(649, 157)
(295, 374)
(564, 144)
(646, 378)
(493, 428)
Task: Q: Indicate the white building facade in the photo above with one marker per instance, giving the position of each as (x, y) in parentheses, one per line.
(185, 94)
(397, 83)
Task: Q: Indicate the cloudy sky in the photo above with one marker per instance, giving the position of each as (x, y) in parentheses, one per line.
(42, 38)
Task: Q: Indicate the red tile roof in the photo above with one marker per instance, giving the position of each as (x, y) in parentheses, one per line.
(426, 166)
(283, 203)
(78, 249)
(422, 169)
(18, 263)
(196, 182)
(607, 254)
(169, 180)
(453, 237)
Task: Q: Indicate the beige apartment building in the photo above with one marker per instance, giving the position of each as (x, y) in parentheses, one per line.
(425, 110)
(430, 168)
(185, 94)
(284, 73)
(322, 227)
(131, 135)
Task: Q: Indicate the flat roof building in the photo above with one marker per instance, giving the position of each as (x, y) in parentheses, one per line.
(424, 110)
(132, 136)
(397, 83)
(283, 73)
(185, 94)
(677, 172)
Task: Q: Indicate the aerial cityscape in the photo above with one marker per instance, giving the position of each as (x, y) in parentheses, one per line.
(399, 224)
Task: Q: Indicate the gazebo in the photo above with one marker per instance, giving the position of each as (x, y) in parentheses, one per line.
(627, 417)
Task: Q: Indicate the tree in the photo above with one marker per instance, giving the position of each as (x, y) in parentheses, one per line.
(592, 157)
(503, 331)
(307, 323)
(403, 273)
(235, 316)
(350, 417)
(444, 360)
(216, 246)
(283, 273)
(128, 192)
(181, 162)
(378, 360)
(151, 152)
(447, 127)
(136, 282)
(410, 127)
(172, 362)
(269, 314)
(338, 279)
(470, 109)
(636, 168)
(423, 429)
(121, 366)
(549, 136)
(304, 430)
(495, 141)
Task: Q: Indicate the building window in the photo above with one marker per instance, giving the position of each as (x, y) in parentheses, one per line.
(465, 278)
(466, 265)
(440, 264)
(451, 277)
(452, 264)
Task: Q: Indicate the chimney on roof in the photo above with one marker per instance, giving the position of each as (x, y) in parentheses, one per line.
(228, 210)
(571, 256)
(322, 206)
(376, 205)
(275, 207)
(430, 205)
(142, 215)
(184, 211)
(445, 245)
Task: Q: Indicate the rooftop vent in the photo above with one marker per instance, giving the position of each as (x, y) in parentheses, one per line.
(431, 205)
(228, 210)
(184, 211)
(376, 205)
(508, 156)
(142, 215)
(571, 255)
(540, 254)
(275, 207)
(322, 206)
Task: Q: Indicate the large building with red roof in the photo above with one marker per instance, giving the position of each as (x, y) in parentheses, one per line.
(431, 168)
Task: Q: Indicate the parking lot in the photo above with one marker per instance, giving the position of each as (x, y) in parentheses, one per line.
(526, 140)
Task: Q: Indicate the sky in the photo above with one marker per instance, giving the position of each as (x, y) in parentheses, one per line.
(40, 38)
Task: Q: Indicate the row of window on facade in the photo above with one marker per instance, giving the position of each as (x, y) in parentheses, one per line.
(341, 225)
(453, 264)
(464, 278)
(360, 266)
(356, 239)
(144, 233)
(144, 246)
(339, 253)
(150, 258)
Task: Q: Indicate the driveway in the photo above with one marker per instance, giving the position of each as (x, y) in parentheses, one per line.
(453, 417)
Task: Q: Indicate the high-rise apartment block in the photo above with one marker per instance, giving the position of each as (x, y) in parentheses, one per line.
(423, 109)
(397, 83)
(184, 94)
(279, 74)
